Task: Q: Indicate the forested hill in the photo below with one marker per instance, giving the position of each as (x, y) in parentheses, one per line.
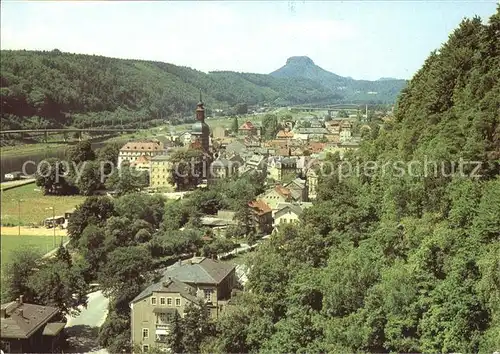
(40, 89)
(395, 260)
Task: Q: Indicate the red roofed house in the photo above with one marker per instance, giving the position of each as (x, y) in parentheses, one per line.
(277, 195)
(284, 134)
(262, 216)
(143, 163)
(27, 328)
(316, 148)
(247, 128)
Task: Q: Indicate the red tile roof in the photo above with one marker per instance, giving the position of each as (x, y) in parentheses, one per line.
(144, 159)
(284, 192)
(142, 146)
(316, 147)
(247, 126)
(260, 207)
(284, 134)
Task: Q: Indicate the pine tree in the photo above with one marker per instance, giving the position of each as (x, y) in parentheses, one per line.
(63, 255)
(235, 125)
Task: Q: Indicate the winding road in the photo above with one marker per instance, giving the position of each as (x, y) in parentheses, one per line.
(83, 329)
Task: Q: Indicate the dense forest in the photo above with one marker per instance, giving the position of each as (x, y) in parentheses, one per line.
(55, 89)
(388, 261)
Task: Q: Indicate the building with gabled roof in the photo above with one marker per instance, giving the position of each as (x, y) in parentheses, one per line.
(284, 134)
(280, 168)
(248, 128)
(143, 163)
(298, 189)
(133, 150)
(29, 328)
(262, 216)
(185, 282)
(278, 194)
(288, 213)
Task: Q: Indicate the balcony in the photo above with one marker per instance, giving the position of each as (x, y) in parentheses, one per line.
(162, 327)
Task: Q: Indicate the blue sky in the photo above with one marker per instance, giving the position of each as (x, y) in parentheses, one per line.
(365, 40)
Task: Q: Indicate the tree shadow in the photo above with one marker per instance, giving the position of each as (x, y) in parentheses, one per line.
(82, 339)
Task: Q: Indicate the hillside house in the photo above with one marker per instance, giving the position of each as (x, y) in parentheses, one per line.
(298, 189)
(30, 328)
(185, 282)
(288, 213)
(276, 195)
(281, 168)
(248, 128)
(262, 216)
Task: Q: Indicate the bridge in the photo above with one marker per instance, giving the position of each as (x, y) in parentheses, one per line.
(78, 131)
(68, 130)
(328, 108)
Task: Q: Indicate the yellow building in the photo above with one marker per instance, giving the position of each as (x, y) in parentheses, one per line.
(188, 282)
(160, 173)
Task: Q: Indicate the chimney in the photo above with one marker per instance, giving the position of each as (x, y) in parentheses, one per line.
(21, 299)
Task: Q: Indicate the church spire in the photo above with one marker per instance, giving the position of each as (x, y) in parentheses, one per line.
(200, 111)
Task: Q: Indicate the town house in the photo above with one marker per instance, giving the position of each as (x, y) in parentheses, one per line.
(185, 282)
(30, 328)
(133, 150)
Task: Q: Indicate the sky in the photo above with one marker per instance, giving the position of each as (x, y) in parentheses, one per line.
(362, 39)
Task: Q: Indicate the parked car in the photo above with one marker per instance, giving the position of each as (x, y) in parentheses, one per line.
(13, 176)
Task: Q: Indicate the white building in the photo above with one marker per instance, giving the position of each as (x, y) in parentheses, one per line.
(133, 150)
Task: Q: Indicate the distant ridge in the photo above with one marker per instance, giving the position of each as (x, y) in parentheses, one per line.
(57, 89)
(304, 67)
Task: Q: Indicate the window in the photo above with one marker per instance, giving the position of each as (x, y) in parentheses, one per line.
(145, 348)
(178, 302)
(153, 301)
(169, 301)
(208, 295)
(161, 318)
(145, 333)
(162, 301)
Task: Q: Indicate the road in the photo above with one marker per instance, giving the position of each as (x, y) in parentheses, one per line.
(243, 248)
(11, 184)
(83, 329)
(95, 313)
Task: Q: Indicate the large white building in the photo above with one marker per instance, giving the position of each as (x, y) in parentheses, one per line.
(133, 150)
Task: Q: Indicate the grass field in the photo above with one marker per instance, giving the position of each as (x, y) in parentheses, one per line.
(42, 245)
(33, 205)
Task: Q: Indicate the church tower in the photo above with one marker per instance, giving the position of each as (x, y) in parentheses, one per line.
(200, 130)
